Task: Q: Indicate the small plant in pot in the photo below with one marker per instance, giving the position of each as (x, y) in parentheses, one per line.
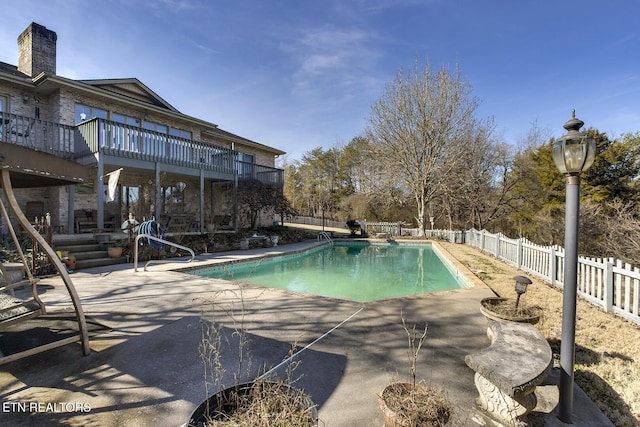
(497, 308)
(260, 403)
(265, 400)
(413, 404)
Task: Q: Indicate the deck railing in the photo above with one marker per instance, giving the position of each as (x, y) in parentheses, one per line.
(264, 174)
(40, 135)
(122, 140)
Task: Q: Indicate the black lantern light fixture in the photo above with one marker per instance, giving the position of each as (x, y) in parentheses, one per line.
(573, 154)
(521, 287)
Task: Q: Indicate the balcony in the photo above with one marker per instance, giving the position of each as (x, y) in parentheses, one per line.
(122, 141)
(39, 135)
(264, 174)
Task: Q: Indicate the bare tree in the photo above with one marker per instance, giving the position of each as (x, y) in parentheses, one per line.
(255, 197)
(474, 194)
(418, 130)
(622, 231)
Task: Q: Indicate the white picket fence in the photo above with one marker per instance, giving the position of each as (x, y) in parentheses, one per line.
(605, 282)
(392, 229)
(307, 220)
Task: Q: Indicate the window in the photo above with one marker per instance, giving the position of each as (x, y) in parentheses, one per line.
(180, 133)
(124, 119)
(247, 158)
(155, 142)
(245, 165)
(125, 137)
(131, 196)
(84, 112)
(171, 196)
(178, 149)
(4, 107)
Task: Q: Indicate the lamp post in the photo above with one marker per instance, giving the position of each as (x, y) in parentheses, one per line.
(573, 154)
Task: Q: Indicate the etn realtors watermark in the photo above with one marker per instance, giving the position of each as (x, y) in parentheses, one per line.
(44, 407)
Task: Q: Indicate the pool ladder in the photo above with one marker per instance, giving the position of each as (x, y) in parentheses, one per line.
(324, 235)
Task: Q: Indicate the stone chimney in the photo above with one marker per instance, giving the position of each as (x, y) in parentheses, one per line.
(37, 50)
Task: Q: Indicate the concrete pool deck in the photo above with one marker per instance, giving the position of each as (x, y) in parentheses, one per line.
(145, 368)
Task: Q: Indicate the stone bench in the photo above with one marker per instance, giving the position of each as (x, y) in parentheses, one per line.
(508, 371)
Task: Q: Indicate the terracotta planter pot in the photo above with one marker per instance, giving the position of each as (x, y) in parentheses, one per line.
(114, 252)
(225, 402)
(488, 309)
(436, 417)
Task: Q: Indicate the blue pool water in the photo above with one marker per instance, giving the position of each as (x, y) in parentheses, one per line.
(354, 271)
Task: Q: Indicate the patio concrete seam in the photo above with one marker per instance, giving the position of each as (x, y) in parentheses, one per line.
(285, 361)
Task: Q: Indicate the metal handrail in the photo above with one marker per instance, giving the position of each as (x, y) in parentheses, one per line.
(157, 239)
(325, 235)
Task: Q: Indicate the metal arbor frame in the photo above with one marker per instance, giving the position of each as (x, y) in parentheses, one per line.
(83, 336)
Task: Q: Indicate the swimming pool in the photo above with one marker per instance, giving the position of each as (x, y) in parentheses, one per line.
(356, 271)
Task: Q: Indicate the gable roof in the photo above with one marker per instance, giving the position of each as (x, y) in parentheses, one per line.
(242, 140)
(130, 88)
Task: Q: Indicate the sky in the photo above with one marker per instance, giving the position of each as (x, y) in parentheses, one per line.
(302, 74)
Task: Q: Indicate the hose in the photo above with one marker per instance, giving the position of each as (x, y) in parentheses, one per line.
(154, 229)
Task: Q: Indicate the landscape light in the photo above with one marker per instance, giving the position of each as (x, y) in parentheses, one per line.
(521, 286)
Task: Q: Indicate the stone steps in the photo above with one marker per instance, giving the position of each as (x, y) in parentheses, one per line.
(88, 252)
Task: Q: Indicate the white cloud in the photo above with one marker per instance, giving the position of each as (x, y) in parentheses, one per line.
(331, 57)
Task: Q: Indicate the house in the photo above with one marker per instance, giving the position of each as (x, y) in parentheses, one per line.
(177, 169)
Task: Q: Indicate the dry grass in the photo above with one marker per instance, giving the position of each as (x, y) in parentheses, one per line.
(264, 404)
(417, 405)
(607, 347)
(506, 309)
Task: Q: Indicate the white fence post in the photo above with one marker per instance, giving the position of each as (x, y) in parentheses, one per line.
(618, 286)
(553, 266)
(608, 286)
(519, 254)
(636, 291)
(627, 289)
